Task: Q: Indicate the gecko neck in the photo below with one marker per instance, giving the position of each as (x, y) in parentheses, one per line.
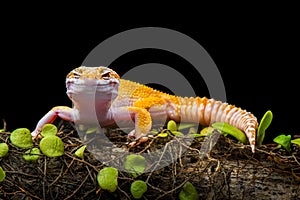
(93, 109)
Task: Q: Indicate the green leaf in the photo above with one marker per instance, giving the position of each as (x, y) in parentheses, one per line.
(52, 146)
(207, 131)
(231, 130)
(296, 141)
(154, 132)
(196, 135)
(284, 141)
(204, 132)
(263, 125)
(138, 188)
(21, 137)
(172, 126)
(135, 164)
(79, 152)
(188, 192)
(108, 178)
(2, 174)
(32, 154)
(3, 149)
(48, 129)
(2, 130)
(185, 126)
(91, 130)
(163, 135)
(177, 133)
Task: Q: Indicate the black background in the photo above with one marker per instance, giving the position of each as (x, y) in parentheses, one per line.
(257, 58)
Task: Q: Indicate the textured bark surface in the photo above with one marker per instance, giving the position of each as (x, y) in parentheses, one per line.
(233, 172)
(217, 166)
(248, 180)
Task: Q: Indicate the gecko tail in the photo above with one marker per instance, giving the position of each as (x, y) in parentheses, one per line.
(207, 111)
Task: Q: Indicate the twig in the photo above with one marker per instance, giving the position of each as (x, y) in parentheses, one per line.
(188, 147)
(4, 124)
(68, 197)
(69, 166)
(22, 173)
(155, 188)
(295, 159)
(89, 192)
(90, 173)
(148, 146)
(180, 154)
(170, 191)
(158, 162)
(58, 177)
(44, 178)
(23, 190)
(83, 161)
(124, 193)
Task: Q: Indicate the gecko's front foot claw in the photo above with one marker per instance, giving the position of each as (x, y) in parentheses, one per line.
(138, 142)
(35, 134)
(131, 134)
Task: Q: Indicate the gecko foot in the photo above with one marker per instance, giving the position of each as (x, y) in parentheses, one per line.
(139, 141)
(36, 134)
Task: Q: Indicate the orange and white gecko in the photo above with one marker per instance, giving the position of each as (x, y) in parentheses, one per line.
(117, 99)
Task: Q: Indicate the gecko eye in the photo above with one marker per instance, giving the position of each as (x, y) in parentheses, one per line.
(76, 76)
(106, 75)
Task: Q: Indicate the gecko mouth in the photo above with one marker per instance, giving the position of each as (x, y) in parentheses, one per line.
(83, 87)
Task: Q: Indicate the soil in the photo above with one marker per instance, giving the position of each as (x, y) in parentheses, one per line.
(218, 167)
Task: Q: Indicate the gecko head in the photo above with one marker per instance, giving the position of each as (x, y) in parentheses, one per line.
(102, 82)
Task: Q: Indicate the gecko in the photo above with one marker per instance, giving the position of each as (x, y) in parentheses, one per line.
(119, 100)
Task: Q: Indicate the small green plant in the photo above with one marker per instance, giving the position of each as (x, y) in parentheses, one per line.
(135, 164)
(172, 126)
(79, 152)
(177, 133)
(3, 149)
(138, 188)
(32, 154)
(296, 141)
(91, 130)
(21, 138)
(207, 131)
(263, 125)
(48, 130)
(174, 129)
(108, 178)
(284, 141)
(2, 129)
(163, 134)
(226, 128)
(2, 174)
(52, 146)
(188, 192)
(185, 126)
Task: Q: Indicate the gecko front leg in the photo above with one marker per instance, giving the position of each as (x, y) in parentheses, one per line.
(63, 112)
(140, 116)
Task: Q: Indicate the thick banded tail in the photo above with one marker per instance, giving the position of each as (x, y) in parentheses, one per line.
(207, 111)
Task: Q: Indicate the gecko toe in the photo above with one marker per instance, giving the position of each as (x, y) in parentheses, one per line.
(138, 142)
(131, 134)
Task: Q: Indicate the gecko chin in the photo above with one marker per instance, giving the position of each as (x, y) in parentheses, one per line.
(99, 91)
